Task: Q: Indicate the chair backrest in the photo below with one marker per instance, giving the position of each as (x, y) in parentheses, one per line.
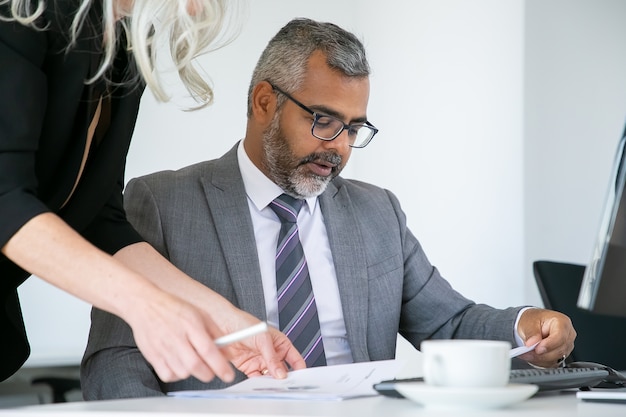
(600, 339)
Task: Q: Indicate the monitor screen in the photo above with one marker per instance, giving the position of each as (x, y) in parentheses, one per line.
(603, 289)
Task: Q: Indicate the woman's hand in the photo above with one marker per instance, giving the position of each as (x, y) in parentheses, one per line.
(177, 340)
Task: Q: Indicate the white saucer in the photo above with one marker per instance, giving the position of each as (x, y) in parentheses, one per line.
(456, 398)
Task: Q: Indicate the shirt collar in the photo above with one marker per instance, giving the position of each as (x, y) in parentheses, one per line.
(260, 189)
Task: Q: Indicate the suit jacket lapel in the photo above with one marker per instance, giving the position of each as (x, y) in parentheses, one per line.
(227, 200)
(347, 244)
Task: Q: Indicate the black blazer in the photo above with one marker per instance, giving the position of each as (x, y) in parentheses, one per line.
(45, 110)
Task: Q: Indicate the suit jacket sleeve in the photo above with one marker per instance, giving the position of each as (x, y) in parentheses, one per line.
(112, 366)
(431, 308)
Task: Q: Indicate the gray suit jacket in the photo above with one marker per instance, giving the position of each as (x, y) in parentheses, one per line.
(198, 217)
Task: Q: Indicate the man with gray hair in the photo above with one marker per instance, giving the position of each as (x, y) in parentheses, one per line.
(273, 228)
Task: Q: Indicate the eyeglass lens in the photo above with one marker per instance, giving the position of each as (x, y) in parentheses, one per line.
(328, 128)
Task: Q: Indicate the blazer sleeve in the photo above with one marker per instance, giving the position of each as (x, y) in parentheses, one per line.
(433, 309)
(113, 367)
(33, 112)
(23, 103)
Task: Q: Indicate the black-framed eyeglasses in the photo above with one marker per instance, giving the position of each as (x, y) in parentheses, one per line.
(327, 127)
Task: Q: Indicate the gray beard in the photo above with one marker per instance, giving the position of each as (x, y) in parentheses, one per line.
(287, 171)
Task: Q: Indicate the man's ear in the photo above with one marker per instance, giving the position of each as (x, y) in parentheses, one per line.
(263, 102)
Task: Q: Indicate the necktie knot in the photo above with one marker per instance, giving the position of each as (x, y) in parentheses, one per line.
(286, 208)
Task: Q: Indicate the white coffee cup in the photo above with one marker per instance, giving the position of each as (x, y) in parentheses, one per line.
(466, 363)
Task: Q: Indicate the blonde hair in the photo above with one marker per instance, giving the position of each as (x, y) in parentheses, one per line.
(191, 27)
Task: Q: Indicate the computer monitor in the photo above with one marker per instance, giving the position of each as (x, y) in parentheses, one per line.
(603, 288)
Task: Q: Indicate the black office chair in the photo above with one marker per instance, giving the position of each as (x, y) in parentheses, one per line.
(60, 386)
(600, 339)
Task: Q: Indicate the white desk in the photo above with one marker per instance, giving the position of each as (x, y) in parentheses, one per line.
(562, 404)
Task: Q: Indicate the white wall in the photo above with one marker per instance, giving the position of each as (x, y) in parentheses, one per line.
(448, 91)
(575, 109)
(447, 96)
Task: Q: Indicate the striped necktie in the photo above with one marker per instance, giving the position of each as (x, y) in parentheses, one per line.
(297, 311)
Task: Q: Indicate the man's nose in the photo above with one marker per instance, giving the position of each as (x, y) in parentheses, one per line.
(341, 143)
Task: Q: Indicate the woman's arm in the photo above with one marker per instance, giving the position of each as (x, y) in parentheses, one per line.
(162, 323)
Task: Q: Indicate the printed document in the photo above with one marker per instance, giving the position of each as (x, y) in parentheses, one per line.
(328, 383)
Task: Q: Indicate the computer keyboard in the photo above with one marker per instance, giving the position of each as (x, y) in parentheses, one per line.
(580, 375)
(559, 378)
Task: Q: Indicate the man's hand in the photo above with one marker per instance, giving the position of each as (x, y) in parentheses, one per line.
(263, 354)
(553, 331)
(266, 353)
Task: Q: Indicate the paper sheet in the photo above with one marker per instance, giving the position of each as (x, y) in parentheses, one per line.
(515, 352)
(327, 383)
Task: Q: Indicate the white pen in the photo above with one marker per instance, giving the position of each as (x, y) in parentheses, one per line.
(241, 334)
